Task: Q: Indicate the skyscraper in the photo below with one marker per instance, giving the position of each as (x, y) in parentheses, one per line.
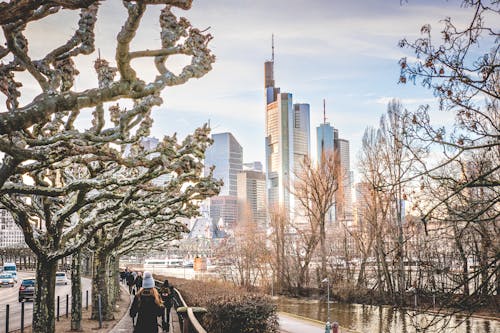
(287, 140)
(325, 139)
(226, 155)
(328, 141)
(344, 211)
(252, 197)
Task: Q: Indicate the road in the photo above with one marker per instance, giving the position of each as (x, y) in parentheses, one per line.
(9, 295)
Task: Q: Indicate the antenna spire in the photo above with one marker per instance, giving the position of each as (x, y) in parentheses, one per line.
(272, 46)
(324, 111)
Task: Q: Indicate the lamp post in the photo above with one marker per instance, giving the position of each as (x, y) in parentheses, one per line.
(328, 326)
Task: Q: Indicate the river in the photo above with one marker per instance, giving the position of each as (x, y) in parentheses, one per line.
(385, 319)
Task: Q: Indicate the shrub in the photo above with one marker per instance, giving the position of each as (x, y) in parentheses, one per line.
(241, 313)
(230, 308)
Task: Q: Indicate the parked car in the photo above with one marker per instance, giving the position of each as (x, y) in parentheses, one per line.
(7, 280)
(27, 289)
(10, 268)
(61, 278)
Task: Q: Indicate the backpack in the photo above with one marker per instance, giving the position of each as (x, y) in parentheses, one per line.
(130, 280)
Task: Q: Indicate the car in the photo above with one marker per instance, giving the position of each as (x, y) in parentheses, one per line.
(27, 289)
(188, 264)
(10, 268)
(7, 280)
(61, 278)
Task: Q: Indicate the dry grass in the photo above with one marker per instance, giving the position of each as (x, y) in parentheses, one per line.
(88, 325)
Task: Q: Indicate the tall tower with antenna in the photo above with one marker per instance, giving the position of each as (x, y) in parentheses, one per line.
(287, 140)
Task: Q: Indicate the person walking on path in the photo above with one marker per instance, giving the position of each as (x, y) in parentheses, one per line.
(130, 282)
(138, 282)
(167, 296)
(147, 306)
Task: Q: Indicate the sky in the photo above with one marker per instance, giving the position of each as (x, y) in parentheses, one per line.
(345, 52)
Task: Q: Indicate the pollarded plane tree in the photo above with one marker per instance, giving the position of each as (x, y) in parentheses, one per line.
(61, 182)
(462, 69)
(153, 213)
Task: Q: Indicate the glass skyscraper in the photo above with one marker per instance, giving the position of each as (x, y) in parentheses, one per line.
(287, 141)
(226, 154)
(328, 141)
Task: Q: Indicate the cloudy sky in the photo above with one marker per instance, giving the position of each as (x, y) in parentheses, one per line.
(343, 51)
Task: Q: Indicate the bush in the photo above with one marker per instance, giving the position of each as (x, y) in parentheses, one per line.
(230, 308)
(241, 313)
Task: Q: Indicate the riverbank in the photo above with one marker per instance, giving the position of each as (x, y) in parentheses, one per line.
(385, 319)
(420, 302)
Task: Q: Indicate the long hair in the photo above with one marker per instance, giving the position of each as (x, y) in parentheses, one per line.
(153, 292)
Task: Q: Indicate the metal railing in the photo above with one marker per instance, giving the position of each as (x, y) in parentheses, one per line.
(13, 318)
(187, 318)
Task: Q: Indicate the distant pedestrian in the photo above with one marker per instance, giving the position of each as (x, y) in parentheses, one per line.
(138, 282)
(147, 306)
(167, 296)
(130, 282)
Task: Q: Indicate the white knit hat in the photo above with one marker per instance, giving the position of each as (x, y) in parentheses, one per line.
(147, 280)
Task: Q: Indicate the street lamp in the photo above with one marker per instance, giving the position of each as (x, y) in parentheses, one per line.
(328, 326)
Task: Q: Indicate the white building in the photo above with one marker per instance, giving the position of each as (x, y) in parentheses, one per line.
(10, 234)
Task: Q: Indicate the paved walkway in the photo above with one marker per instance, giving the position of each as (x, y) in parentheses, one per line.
(290, 323)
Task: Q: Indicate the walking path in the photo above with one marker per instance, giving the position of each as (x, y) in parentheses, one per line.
(290, 323)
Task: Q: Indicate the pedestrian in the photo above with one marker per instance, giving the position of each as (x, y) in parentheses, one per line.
(167, 296)
(130, 282)
(138, 282)
(147, 306)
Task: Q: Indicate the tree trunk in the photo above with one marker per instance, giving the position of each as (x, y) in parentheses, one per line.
(114, 281)
(361, 274)
(100, 281)
(322, 240)
(76, 292)
(43, 305)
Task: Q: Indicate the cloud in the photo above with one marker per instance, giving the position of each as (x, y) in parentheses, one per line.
(405, 101)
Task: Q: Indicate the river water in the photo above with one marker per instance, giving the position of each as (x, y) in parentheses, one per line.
(384, 319)
(364, 318)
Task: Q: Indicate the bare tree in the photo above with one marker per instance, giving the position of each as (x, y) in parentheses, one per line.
(314, 188)
(246, 248)
(462, 69)
(63, 184)
(279, 237)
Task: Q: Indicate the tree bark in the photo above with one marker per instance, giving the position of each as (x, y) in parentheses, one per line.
(100, 283)
(43, 305)
(76, 292)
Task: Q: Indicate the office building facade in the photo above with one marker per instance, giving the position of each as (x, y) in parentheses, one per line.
(328, 142)
(10, 233)
(226, 155)
(252, 197)
(287, 141)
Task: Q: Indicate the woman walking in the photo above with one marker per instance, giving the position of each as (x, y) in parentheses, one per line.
(147, 305)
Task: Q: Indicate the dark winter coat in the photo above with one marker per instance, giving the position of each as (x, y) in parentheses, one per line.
(147, 311)
(167, 295)
(138, 282)
(130, 279)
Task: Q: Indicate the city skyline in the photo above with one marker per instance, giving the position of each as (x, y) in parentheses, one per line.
(346, 53)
